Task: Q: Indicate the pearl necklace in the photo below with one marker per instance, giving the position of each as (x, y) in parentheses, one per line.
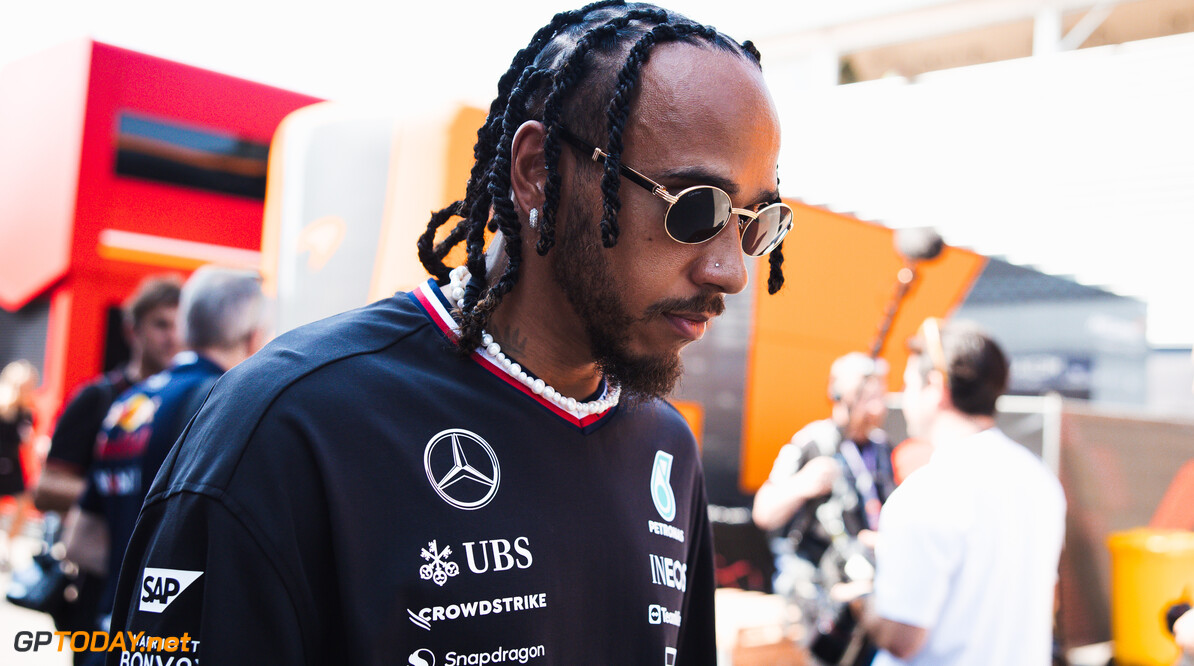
(455, 291)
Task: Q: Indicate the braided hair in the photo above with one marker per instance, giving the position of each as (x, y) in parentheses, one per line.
(544, 83)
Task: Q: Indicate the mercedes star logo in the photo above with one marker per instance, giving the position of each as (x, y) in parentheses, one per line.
(462, 468)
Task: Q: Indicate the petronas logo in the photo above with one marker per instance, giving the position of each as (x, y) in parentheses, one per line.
(661, 486)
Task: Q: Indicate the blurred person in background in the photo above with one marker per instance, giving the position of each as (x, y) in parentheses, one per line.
(149, 317)
(826, 488)
(969, 544)
(17, 383)
(149, 326)
(221, 319)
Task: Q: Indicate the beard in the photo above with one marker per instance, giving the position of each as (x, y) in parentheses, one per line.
(582, 270)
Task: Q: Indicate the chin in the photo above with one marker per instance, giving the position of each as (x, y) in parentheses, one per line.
(643, 376)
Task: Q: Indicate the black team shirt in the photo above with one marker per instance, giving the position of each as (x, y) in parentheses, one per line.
(136, 435)
(358, 493)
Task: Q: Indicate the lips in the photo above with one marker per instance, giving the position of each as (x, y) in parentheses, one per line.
(690, 325)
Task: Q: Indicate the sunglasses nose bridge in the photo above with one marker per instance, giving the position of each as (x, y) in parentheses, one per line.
(744, 217)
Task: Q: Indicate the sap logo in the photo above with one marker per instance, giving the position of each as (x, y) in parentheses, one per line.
(669, 572)
(160, 587)
(502, 559)
(422, 657)
(660, 615)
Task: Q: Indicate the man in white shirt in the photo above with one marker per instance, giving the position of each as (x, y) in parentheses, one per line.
(968, 545)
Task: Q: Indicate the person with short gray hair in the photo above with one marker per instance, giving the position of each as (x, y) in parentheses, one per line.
(222, 319)
(221, 308)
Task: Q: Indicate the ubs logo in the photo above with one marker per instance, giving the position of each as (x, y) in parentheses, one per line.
(462, 468)
(482, 556)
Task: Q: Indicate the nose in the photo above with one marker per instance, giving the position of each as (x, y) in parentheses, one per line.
(722, 264)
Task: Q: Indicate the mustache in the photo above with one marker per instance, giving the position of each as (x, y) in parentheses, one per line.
(709, 303)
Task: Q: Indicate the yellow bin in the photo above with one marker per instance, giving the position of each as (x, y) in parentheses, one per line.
(1150, 571)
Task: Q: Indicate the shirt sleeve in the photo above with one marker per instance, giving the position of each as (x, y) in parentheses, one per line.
(91, 501)
(194, 572)
(791, 458)
(73, 441)
(921, 543)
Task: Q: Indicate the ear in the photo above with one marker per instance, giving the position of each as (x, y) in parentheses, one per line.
(528, 167)
(940, 390)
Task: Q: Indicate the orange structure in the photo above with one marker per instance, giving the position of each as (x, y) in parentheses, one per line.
(116, 165)
(840, 274)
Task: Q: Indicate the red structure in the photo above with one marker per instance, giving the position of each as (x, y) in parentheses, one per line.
(115, 165)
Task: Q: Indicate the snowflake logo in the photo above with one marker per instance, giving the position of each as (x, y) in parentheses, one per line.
(438, 569)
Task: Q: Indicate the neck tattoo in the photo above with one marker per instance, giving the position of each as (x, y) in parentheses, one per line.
(454, 290)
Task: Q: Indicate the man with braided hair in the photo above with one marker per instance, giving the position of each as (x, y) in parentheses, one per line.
(483, 470)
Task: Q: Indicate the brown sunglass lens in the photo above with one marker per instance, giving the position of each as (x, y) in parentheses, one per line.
(762, 234)
(698, 214)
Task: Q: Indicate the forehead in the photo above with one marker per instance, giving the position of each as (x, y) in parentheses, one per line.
(876, 383)
(701, 106)
(161, 312)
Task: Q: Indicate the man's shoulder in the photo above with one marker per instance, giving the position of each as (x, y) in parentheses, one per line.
(298, 352)
(359, 330)
(928, 500)
(101, 389)
(655, 415)
(817, 438)
(162, 388)
(245, 395)
(1018, 462)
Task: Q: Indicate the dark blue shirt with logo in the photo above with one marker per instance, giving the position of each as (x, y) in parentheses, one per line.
(141, 426)
(359, 493)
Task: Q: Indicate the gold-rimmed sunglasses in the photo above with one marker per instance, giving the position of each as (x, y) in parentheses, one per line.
(699, 213)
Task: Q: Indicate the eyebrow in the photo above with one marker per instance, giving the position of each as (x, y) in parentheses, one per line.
(700, 175)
